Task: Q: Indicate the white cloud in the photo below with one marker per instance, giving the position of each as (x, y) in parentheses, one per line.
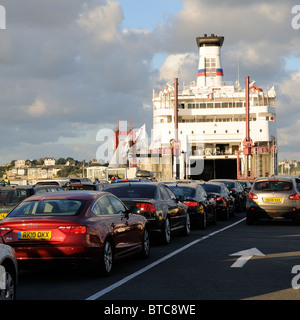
(67, 62)
(102, 22)
(179, 66)
(37, 109)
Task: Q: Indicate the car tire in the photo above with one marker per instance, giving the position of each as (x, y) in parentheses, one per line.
(204, 221)
(146, 244)
(166, 232)
(187, 225)
(10, 291)
(107, 258)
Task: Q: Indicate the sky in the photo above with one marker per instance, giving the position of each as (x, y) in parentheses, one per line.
(70, 68)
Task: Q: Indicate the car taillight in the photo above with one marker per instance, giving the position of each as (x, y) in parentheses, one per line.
(73, 230)
(145, 207)
(252, 196)
(4, 231)
(294, 196)
(191, 203)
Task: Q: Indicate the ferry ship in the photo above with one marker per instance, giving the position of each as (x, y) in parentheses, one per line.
(214, 129)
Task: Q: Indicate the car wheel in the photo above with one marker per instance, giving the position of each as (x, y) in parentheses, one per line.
(9, 293)
(166, 232)
(107, 257)
(204, 221)
(146, 245)
(187, 226)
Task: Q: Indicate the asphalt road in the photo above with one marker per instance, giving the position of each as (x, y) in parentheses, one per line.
(194, 268)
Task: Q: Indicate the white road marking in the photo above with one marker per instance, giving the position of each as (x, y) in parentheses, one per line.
(137, 273)
(246, 255)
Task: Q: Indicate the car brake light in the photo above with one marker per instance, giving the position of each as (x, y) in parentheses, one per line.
(294, 196)
(252, 196)
(145, 207)
(191, 203)
(73, 230)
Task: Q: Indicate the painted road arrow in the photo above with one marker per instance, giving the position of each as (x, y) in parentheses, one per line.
(245, 256)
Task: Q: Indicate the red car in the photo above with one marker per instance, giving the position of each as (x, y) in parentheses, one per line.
(90, 226)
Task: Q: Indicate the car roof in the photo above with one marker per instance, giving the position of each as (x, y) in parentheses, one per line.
(217, 183)
(282, 177)
(134, 183)
(82, 195)
(183, 185)
(28, 187)
(233, 180)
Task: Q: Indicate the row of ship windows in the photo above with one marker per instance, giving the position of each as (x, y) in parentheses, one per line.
(214, 120)
(215, 131)
(213, 105)
(186, 120)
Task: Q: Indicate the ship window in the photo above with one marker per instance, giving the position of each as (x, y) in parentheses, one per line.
(239, 104)
(238, 131)
(217, 105)
(210, 105)
(226, 131)
(215, 131)
(225, 105)
(203, 105)
(210, 67)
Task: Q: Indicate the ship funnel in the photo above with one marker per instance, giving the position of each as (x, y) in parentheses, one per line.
(210, 72)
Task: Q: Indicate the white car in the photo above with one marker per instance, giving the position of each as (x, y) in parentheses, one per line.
(8, 273)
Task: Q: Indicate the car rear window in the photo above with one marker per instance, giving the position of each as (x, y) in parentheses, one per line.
(133, 191)
(229, 184)
(80, 187)
(183, 191)
(70, 207)
(273, 185)
(12, 197)
(211, 188)
(3, 196)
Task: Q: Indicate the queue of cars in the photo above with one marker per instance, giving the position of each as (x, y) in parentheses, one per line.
(98, 223)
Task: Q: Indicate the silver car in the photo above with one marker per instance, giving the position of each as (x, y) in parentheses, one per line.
(8, 273)
(274, 198)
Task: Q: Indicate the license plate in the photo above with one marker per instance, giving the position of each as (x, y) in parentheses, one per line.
(34, 235)
(272, 200)
(3, 215)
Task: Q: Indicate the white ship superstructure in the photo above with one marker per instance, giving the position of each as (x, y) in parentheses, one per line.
(212, 121)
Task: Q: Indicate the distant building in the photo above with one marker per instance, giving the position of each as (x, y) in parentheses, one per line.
(49, 162)
(19, 163)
